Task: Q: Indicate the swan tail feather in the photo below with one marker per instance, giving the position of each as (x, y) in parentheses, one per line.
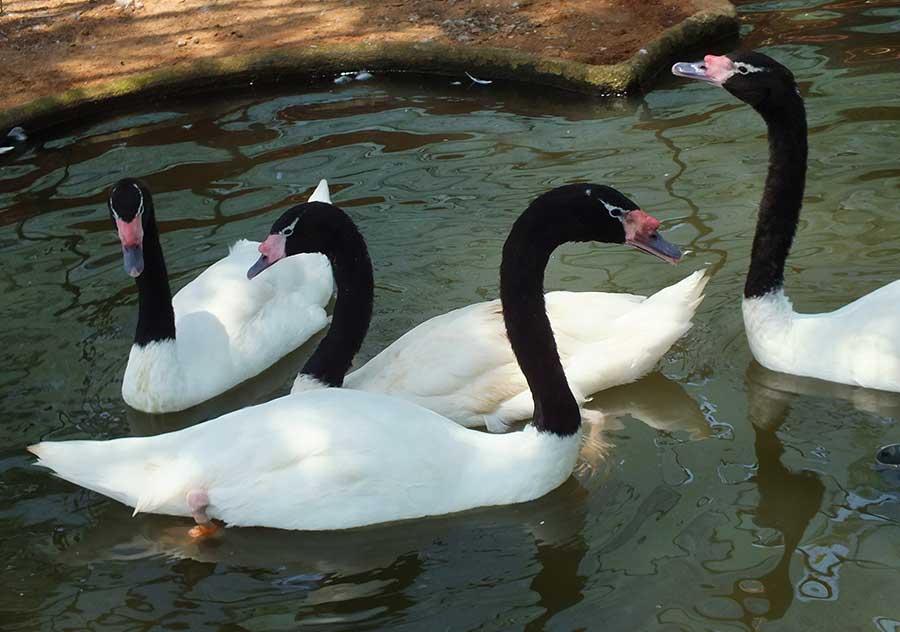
(121, 470)
(687, 293)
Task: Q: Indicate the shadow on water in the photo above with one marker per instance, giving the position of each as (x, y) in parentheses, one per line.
(370, 570)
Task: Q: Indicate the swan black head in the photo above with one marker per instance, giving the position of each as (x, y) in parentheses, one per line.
(305, 228)
(131, 210)
(319, 227)
(752, 77)
(595, 212)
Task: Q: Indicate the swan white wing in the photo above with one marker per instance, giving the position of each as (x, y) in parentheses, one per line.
(635, 339)
(605, 340)
(229, 328)
(327, 459)
(858, 344)
(461, 365)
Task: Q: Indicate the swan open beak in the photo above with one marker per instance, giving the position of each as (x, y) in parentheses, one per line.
(641, 231)
(658, 247)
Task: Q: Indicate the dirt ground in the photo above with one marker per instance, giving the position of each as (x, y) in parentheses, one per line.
(50, 46)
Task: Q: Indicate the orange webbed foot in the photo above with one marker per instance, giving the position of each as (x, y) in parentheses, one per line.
(203, 530)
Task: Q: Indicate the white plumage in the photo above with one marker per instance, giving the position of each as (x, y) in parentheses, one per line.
(229, 328)
(324, 459)
(858, 344)
(460, 364)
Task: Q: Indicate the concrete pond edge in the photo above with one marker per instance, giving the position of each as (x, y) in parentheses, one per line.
(712, 21)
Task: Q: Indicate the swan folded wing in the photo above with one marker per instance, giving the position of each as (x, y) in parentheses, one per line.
(458, 364)
(224, 290)
(230, 328)
(863, 342)
(636, 339)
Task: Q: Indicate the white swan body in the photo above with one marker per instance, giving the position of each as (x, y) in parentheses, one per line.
(341, 458)
(229, 328)
(460, 364)
(324, 459)
(858, 344)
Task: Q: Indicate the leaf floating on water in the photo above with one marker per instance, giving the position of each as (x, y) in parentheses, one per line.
(483, 82)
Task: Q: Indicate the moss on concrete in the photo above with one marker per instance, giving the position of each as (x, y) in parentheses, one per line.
(713, 20)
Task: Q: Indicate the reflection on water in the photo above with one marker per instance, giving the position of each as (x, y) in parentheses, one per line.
(708, 495)
(788, 501)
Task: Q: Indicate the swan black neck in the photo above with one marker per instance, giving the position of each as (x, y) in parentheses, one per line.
(156, 317)
(782, 198)
(534, 236)
(352, 268)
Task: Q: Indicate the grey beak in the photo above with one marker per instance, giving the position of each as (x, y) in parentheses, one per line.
(261, 264)
(134, 260)
(691, 70)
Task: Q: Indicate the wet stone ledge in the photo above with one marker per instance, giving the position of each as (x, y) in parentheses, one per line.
(712, 21)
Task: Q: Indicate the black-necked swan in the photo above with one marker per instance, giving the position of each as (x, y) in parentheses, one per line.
(336, 458)
(218, 330)
(460, 364)
(858, 344)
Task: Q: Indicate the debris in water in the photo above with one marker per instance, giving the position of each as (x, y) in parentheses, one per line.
(456, 83)
(483, 82)
(365, 75)
(343, 79)
(16, 135)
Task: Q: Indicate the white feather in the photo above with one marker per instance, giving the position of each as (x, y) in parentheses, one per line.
(321, 194)
(858, 344)
(324, 459)
(229, 328)
(460, 364)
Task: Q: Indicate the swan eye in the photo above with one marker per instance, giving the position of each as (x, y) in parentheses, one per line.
(614, 211)
(288, 230)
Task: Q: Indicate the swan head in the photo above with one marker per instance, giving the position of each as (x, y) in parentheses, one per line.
(601, 213)
(130, 208)
(752, 77)
(303, 228)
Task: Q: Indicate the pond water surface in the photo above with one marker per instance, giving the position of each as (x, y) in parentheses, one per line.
(717, 496)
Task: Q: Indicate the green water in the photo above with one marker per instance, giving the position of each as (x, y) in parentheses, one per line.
(718, 495)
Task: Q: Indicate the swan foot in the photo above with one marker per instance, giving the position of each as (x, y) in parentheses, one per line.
(203, 530)
(198, 501)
